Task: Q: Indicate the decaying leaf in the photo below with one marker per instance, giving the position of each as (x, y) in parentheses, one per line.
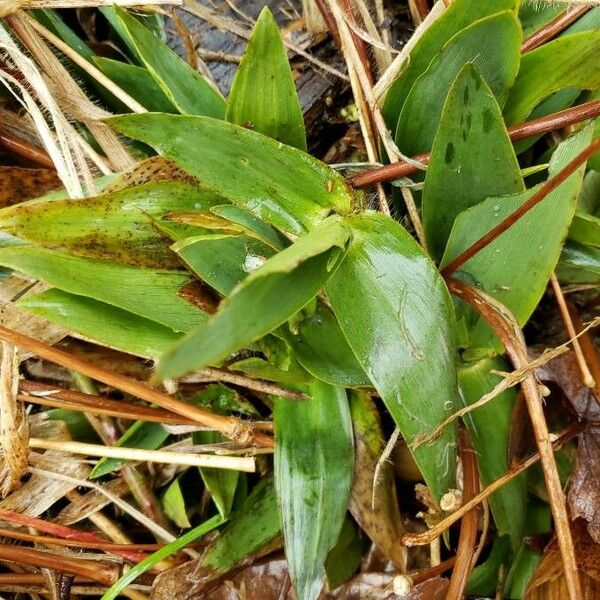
(18, 184)
(548, 582)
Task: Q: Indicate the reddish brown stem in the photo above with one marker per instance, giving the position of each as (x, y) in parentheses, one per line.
(468, 524)
(524, 130)
(425, 574)
(25, 150)
(229, 426)
(51, 395)
(358, 42)
(535, 199)
(90, 569)
(507, 329)
(552, 29)
(329, 22)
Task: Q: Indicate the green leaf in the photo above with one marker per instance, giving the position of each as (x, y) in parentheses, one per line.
(483, 580)
(221, 483)
(279, 184)
(374, 502)
(151, 294)
(472, 158)
(145, 565)
(397, 316)
(262, 369)
(222, 261)
(585, 229)
(313, 473)
(118, 226)
(497, 63)
(137, 82)
(321, 348)
(579, 264)
(460, 14)
(541, 74)
(181, 84)
(173, 504)
(534, 16)
(264, 300)
(489, 430)
(51, 20)
(345, 557)
(255, 524)
(522, 570)
(223, 400)
(148, 436)
(263, 95)
(102, 323)
(529, 249)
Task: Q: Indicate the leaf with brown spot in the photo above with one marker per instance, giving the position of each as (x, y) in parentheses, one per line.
(18, 184)
(548, 581)
(373, 502)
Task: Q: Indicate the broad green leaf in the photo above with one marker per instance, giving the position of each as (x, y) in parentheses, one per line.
(313, 474)
(263, 301)
(221, 483)
(137, 82)
(279, 184)
(173, 504)
(397, 316)
(181, 84)
(345, 557)
(222, 261)
(51, 20)
(521, 571)
(534, 15)
(541, 74)
(102, 323)
(585, 229)
(579, 264)
(263, 95)
(250, 528)
(460, 14)
(117, 226)
(483, 580)
(497, 63)
(151, 294)
(373, 502)
(517, 265)
(148, 436)
(489, 430)
(472, 158)
(321, 348)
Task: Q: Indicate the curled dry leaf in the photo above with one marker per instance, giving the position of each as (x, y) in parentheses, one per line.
(548, 582)
(14, 432)
(584, 492)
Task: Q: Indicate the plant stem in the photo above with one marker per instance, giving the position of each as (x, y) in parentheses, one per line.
(541, 125)
(553, 28)
(535, 199)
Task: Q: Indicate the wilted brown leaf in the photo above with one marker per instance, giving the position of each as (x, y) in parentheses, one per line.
(548, 581)
(584, 492)
(373, 501)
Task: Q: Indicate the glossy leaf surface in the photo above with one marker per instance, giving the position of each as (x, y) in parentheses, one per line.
(497, 63)
(275, 110)
(313, 474)
(397, 316)
(279, 184)
(459, 15)
(541, 74)
(529, 249)
(472, 158)
(118, 226)
(262, 301)
(102, 323)
(151, 294)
